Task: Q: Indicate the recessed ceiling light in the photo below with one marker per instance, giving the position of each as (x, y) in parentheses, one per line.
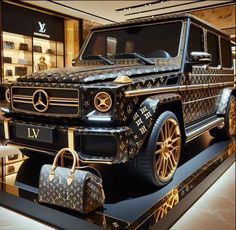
(152, 3)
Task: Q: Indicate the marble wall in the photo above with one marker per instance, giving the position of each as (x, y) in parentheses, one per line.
(71, 40)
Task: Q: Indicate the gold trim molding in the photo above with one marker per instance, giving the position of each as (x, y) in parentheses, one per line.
(71, 139)
(6, 129)
(157, 90)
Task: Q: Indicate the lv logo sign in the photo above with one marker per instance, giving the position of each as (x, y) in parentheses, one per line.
(33, 133)
(42, 28)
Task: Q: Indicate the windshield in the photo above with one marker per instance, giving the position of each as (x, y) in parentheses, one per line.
(151, 41)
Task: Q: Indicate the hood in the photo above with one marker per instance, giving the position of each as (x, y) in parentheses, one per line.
(89, 74)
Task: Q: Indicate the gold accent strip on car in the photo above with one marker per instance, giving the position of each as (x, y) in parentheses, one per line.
(201, 99)
(208, 74)
(146, 91)
(22, 97)
(62, 104)
(21, 101)
(6, 129)
(56, 103)
(68, 100)
(140, 92)
(95, 161)
(71, 138)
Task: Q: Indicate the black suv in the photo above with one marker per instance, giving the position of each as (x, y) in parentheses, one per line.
(139, 91)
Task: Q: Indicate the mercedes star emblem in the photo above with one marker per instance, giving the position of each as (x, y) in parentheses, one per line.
(40, 100)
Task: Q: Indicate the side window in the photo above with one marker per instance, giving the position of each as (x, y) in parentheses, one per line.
(196, 41)
(226, 53)
(111, 46)
(213, 48)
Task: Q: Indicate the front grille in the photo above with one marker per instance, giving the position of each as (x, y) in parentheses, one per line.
(55, 102)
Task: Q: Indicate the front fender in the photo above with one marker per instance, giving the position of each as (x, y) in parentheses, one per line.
(224, 100)
(144, 119)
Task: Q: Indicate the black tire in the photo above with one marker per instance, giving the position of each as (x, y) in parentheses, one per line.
(145, 164)
(229, 129)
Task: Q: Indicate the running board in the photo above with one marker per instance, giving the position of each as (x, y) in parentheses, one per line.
(201, 128)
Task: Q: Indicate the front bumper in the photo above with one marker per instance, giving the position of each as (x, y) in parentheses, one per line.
(94, 145)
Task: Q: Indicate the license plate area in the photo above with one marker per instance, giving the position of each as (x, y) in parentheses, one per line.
(35, 133)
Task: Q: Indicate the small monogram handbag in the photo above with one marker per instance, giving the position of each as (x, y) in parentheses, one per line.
(23, 46)
(78, 188)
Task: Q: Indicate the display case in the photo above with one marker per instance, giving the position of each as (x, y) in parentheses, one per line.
(24, 54)
(10, 166)
(47, 54)
(17, 55)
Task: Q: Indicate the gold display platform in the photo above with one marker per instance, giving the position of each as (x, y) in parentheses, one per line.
(129, 203)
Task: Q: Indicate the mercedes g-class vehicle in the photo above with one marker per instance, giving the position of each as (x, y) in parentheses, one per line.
(138, 92)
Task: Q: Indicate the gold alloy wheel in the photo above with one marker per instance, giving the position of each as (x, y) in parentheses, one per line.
(168, 149)
(232, 117)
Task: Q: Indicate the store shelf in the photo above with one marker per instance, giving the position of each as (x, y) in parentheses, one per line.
(17, 64)
(5, 50)
(56, 55)
(10, 36)
(51, 60)
(38, 53)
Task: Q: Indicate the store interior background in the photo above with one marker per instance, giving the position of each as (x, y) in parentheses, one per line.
(77, 18)
(73, 21)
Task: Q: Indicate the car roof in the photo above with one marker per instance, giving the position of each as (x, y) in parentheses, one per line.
(166, 17)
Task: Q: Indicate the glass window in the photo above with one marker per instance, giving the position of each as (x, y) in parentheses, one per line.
(159, 40)
(195, 39)
(213, 48)
(226, 53)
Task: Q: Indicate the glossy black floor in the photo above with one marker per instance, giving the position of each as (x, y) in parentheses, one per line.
(129, 202)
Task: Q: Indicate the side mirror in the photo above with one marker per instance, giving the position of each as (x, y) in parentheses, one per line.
(200, 58)
(74, 62)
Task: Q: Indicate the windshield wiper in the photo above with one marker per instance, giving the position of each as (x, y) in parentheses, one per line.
(136, 55)
(100, 57)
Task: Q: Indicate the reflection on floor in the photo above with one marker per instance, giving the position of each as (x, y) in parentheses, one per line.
(215, 209)
(11, 220)
(203, 155)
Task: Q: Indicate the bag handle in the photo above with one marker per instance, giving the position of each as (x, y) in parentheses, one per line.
(55, 164)
(62, 157)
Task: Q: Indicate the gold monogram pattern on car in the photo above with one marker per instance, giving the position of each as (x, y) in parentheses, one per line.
(203, 102)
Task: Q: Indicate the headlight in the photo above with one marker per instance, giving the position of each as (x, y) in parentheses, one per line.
(102, 102)
(8, 96)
